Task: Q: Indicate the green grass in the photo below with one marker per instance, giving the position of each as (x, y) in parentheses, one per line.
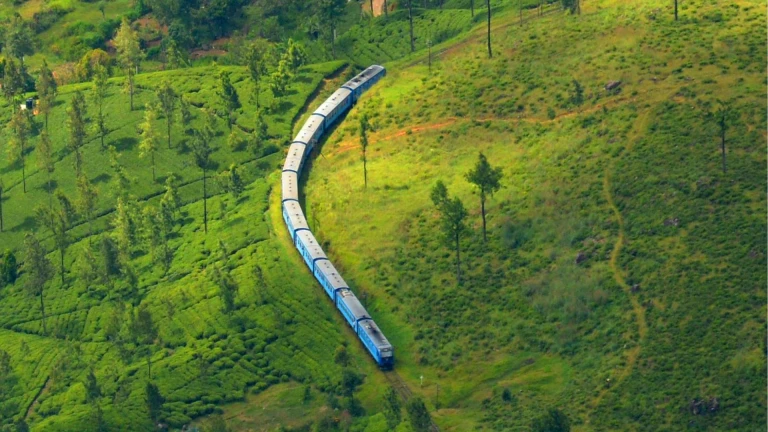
(283, 328)
(648, 150)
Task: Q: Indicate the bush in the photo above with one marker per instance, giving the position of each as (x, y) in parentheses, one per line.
(9, 268)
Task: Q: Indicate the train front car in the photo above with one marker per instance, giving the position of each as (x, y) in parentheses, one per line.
(376, 343)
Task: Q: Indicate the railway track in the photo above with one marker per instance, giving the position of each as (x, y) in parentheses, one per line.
(404, 391)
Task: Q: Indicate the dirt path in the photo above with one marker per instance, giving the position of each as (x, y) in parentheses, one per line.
(374, 138)
(46, 387)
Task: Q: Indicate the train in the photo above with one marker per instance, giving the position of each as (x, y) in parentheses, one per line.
(309, 248)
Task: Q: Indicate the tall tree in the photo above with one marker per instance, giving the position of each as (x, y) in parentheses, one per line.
(167, 97)
(257, 66)
(723, 117)
(77, 131)
(149, 139)
(47, 91)
(19, 128)
(9, 268)
(227, 287)
(62, 221)
(392, 408)
(421, 421)
(330, 11)
(488, 181)
(201, 148)
(472, 8)
(13, 83)
(281, 78)
(129, 54)
(86, 201)
(233, 181)
(295, 56)
(228, 96)
(364, 125)
(675, 10)
(155, 401)
(171, 197)
(185, 113)
(410, 23)
(45, 162)
(85, 268)
(99, 93)
(124, 229)
(260, 134)
(92, 389)
(488, 7)
(452, 221)
(38, 269)
(145, 333)
(18, 40)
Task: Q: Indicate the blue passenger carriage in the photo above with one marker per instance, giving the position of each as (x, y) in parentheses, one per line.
(329, 278)
(294, 218)
(309, 249)
(334, 106)
(295, 159)
(290, 186)
(350, 307)
(364, 80)
(310, 133)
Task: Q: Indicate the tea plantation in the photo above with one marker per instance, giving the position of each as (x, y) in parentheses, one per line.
(623, 280)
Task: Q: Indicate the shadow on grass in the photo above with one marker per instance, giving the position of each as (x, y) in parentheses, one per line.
(29, 224)
(125, 143)
(102, 178)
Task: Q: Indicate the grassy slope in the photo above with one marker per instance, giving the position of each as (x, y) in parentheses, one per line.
(281, 331)
(606, 179)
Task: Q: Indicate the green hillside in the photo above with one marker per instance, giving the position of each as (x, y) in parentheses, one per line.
(623, 280)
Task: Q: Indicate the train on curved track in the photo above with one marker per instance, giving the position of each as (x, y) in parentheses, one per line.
(321, 267)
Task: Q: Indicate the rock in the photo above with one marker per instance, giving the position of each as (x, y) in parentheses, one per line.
(612, 85)
(581, 257)
(672, 222)
(635, 288)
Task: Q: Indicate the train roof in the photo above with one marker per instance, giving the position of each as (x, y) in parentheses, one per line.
(374, 332)
(296, 215)
(363, 76)
(295, 156)
(332, 102)
(290, 186)
(308, 132)
(331, 274)
(353, 304)
(310, 243)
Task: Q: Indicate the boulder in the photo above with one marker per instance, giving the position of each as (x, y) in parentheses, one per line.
(612, 85)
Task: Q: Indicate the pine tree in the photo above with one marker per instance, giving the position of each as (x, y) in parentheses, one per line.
(85, 268)
(257, 66)
(86, 201)
(149, 139)
(228, 96)
(123, 230)
(38, 269)
(129, 54)
(13, 83)
(227, 287)
(145, 333)
(99, 93)
(259, 136)
(167, 97)
(45, 162)
(201, 149)
(47, 91)
(185, 113)
(488, 181)
(364, 145)
(233, 181)
(171, 198)
(452, 220)
(92, 389)
(77, 131)
(19, 129)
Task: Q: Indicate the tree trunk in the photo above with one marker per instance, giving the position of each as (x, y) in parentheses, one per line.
(130, 87)
(149, 364)
(23, 170)
(365, 171)
(372, 14)
(168, 120)
(46, 120)
(488, 5)
(482, 210)
(722, 146)
(472, 7)
(386, 9)
(205, 204)
(61, 249)
(520, 4)
(458, 261)
(675, 10)
(257, 93)
(42, 310)
(410, 21)
(153, 167)
(1, 210)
